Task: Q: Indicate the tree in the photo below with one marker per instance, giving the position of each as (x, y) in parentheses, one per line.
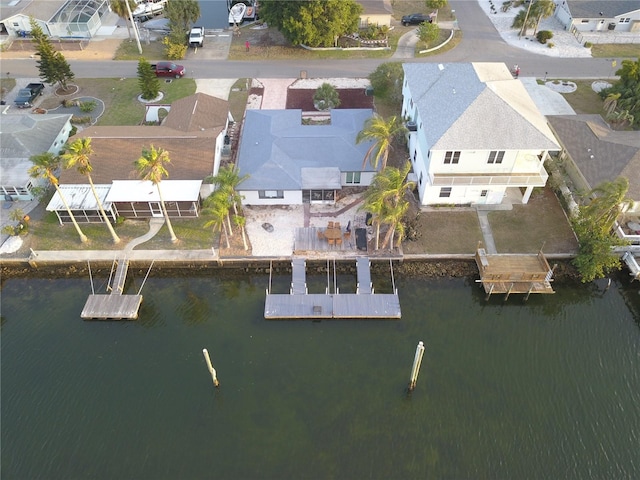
(373, 202)
(382, 132)
(387, 80)
(119, 7)
(542, 9)
(181, 14)
(628, 89)
(316, 23)
(436, 4)
(593, 226)
(395, 188)
(611, 102)
(147, 80)
(150, 167)
(52, 65)
(524, 21)
(78, 155)
(241, 222)
(226, 181)
(45, 165)
(428, 32)
(326, 97)
(216, 207)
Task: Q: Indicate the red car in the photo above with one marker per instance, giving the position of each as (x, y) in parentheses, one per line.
(168, 69)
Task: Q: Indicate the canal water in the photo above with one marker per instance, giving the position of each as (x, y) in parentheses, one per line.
(213, 14)
(546, 389)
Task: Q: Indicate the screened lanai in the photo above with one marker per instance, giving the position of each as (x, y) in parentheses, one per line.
(78, 18)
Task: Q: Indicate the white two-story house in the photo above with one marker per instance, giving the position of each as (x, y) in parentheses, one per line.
(474, 132)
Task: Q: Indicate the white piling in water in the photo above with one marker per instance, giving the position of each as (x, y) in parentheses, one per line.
(212, 370)
(415, 370)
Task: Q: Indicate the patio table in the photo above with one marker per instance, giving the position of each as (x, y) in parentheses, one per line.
(332, 233)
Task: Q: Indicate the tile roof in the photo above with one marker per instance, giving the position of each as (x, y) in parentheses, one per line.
(275, 146)
(467, 106)
(600, 153)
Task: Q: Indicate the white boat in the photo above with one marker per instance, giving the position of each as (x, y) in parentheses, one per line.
(149, 8)
(236, 13)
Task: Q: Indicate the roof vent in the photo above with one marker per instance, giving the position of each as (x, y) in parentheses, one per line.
(412, 126)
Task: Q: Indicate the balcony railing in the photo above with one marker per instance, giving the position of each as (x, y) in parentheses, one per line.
(497, 179)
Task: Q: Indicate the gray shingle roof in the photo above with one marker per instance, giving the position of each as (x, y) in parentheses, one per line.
(609, 8)
(467, 106)
(600, 153)
(275, 146)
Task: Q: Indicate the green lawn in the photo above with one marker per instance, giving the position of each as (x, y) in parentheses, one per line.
(615, 50)
(128, 50)
(584, 100)
(445, 231)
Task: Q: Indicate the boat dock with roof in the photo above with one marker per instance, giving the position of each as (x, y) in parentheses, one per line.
(514, 273)
(300, 304)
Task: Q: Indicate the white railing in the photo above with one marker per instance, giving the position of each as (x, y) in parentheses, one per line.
(506, 179)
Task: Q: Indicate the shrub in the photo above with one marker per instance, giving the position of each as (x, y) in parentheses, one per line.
(87, 106)
(80, 120)
(588, 44)
(174, 51)
(326, 97)
(551, 44)
(544, 35)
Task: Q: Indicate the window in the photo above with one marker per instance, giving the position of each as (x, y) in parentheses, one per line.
(266, 194)
(353, 177)
(451, 157)
(584, 21)
(624, 20)
(496, 156)
(483, 193)
(445, 192)
(420, 181)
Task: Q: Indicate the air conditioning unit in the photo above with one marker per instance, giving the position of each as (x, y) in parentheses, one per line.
(412, 126)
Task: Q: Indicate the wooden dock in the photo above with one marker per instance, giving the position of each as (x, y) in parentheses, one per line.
(299, 304)
(511, 273)
(115, 305)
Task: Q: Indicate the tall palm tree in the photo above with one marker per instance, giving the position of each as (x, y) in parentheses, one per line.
(382, 132)
(150, 167)
(395, 198)
(119, 7)
(542, 9)
(45, 165)
(217, 207)
(374, 203)
(226, 181)
(78, 155)
(241, 222)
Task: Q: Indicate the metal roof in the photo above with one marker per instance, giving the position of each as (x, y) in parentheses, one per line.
(79, 197)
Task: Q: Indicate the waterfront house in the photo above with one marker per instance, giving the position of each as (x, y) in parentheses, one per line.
(474, 133)
(375, 12)
(599, 16)
(21, 137)
(291, 162)
(593, 153)
(193, 133)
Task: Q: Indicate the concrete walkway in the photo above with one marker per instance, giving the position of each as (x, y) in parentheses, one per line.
(155, 224)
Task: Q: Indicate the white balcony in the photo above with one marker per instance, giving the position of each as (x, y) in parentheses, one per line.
(511, 179)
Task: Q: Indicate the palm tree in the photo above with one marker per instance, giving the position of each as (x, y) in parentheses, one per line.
(241, 222)
(119, 7)
(226, 182)
(45, 166)
(150, 167)
(78, 155)
(216, 207)
(373, 202)
(382, 132)
(608, 201)
(395, 200)
(611, 102)
(542, 9)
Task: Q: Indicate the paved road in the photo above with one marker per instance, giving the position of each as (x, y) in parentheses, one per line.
(481, 42)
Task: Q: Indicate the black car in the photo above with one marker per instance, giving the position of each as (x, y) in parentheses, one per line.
(416, 19)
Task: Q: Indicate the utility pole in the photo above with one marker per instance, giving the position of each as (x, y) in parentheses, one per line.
(135, 27)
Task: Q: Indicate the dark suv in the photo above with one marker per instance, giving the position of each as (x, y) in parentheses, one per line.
(416, 19)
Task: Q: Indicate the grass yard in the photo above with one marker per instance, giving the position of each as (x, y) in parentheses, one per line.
(190, 232)
(120, 97)
(446, 231)
(526, 228)
(128, 50)
(584, 100)
(616, 50)
(238, 98)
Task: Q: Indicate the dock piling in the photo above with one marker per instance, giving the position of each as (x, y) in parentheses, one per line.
(417, 362)
(212, 370)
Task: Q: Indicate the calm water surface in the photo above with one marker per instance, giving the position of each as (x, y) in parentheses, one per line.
(214, 14)
(546, 389)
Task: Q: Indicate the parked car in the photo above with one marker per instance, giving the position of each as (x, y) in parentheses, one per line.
(196, 37)
(168, 69)
(416, 19)
(28, 94)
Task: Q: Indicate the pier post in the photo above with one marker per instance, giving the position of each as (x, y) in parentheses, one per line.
(417, 361)
(214, 376)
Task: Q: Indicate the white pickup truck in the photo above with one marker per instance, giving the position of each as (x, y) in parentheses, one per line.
(196, 37)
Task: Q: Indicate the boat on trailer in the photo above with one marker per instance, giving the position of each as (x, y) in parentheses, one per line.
(236, 13)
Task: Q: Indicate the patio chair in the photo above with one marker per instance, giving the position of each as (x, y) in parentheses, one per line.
(339, 242)
(330, 225)
(346, 235)
(331, 241)
(336, 225)
(320, 234)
